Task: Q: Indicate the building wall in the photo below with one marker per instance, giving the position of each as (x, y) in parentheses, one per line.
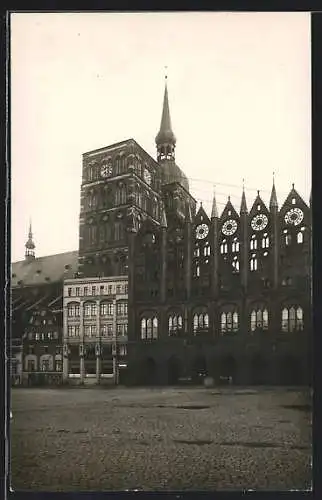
(121, 187)
(95, 328)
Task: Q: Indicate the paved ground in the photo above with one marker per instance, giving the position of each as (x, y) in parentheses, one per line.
(161, 439)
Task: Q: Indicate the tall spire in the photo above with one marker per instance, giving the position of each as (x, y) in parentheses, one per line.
(243, 205)
(214, 210)
(165, 139)
(30, 246)
(273, 201)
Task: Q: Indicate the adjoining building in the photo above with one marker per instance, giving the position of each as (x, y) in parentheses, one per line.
(37, 314)
(95, 330)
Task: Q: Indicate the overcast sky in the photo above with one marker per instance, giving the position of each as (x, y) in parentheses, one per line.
(239, 91)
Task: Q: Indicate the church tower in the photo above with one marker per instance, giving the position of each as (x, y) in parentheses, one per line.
(30, 246)
(165, 139)
(175, 184)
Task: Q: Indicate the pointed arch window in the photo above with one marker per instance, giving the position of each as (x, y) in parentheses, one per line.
(288, 239)
(235, 245)
(235, 264)
(229, 321)
(91, 201)
(118, 165)
(299, 237)
(198, 271)
(253, 243)
(253, 263)
(174, 324)
(200, 322)
(265, 241)
(259, 319)
(149, 328)
(292, 319)
(120, 195)
(197, 252)
(92, 234)
(224, 247)
(118, 231)
(206, 250)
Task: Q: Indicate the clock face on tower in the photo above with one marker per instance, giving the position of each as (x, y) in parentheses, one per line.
(229, 227)
(147, 176)
(106, 170)
(202, 231)
(294, 216)
(259, 222)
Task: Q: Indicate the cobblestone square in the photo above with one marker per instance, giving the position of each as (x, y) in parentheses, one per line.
(161, 439)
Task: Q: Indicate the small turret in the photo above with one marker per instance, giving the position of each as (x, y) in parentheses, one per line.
(30, 246)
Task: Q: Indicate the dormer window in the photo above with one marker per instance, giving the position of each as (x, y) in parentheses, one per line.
(258, 208)
(293, 201)
(229, 212)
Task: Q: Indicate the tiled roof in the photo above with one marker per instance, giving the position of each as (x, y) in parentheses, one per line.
(44, 270)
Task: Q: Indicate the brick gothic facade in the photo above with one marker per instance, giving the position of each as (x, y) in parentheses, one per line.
(224, 296)
(228, 296)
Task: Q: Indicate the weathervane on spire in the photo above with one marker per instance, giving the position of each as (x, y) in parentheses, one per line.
(243, 184)
(166, 72)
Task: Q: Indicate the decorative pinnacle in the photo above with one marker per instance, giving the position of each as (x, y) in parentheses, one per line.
(243, 205)
(214, 211)
(273, 200)
(292, 185)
